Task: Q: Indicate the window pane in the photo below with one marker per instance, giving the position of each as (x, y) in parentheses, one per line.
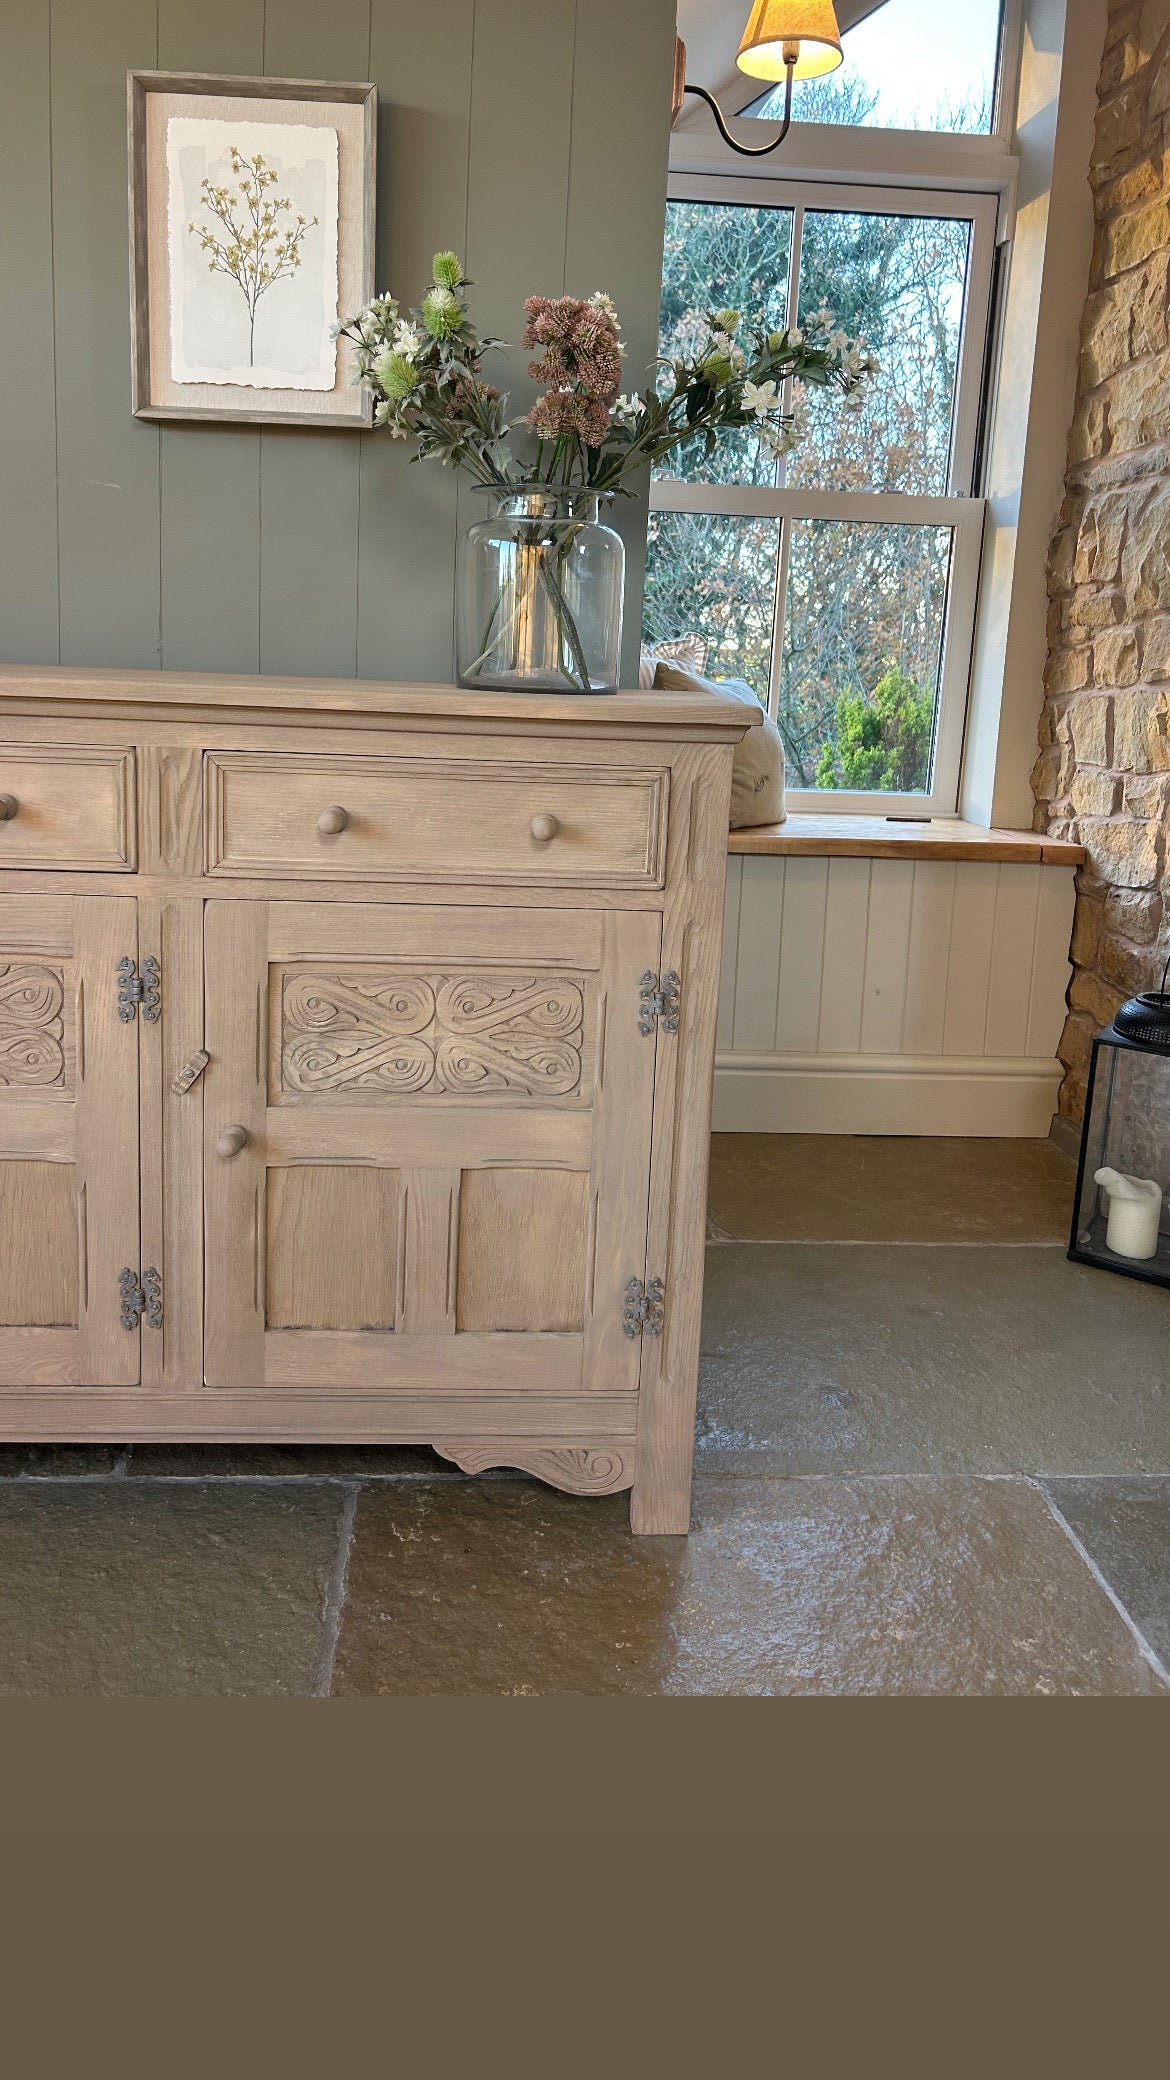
(719, 256)
(712, 575)
(898, 281)
(911, 65)
(862, 654)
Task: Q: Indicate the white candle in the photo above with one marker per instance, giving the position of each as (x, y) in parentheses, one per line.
(1135, 1213)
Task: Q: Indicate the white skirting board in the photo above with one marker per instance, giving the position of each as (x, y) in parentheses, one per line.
(976, 1095)
(887, 996)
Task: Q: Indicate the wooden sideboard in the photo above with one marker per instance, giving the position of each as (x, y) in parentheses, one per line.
(355, 1067)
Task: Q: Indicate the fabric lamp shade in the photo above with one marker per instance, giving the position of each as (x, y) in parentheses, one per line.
(773, 24)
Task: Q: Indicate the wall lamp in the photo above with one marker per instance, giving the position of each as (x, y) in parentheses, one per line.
(784, 39)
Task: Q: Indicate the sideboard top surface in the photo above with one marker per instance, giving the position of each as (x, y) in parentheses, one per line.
(725, 715)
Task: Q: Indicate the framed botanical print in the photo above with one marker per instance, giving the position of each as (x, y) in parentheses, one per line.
(251, 236)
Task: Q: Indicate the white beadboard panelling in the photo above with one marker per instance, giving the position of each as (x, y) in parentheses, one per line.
(802, 953)
(726, 1025)
(980, 1095)
(928, 957)
(1013, 944)
(887, 955)
(843, 971)
(758, 968)
(969, 964)
(918, 997)
(1050, 967)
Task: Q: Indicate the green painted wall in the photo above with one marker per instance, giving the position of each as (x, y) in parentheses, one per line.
(529, 134)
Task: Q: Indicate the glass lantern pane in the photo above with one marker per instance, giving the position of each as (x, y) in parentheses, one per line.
(1128, 1134)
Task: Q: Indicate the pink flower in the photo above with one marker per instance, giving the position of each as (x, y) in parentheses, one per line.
(581, 363)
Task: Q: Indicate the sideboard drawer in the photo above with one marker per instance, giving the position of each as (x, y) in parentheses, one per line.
(67, 807)
(424, 819)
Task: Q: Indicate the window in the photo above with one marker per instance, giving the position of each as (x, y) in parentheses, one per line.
(841, 582)
(910, 65)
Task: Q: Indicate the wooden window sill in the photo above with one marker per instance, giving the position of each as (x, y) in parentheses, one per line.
(872, 837)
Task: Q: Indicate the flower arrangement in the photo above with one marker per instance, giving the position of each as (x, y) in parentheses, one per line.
(426, 374)
(542, 591)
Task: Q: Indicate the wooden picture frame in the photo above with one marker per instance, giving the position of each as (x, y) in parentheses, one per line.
(183, 330)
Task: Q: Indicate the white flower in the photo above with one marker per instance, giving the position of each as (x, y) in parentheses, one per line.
(760, 398)
(838, 341)
(408, 339)
(796, 337)
(627, 408)
(604, 303)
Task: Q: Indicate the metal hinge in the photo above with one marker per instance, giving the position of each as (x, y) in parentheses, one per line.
(135, 989)
(642, 1307)
(658, 1000)
(139, 1301)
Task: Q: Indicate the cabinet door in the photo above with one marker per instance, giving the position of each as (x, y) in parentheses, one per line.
(68, 1142)
(427, 1146)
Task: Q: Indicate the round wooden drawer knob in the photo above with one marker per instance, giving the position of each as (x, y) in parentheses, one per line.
(8, 807)
(332, 820)
(231, 1141)
(544, 828)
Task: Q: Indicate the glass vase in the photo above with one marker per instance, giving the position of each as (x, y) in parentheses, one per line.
(540, 594)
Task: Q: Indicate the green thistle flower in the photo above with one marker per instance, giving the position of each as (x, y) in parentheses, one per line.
(442, 312)
(726, 321)
(447, 271)
(396, 375)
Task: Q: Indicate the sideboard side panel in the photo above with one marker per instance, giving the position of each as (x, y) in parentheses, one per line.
(691, 945)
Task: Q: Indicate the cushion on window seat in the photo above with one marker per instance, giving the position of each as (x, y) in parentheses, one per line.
(757, 774)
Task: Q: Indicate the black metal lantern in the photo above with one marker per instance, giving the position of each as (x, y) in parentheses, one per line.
(1121, 1219)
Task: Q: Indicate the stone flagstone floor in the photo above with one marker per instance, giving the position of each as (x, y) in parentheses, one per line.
(933, 1458)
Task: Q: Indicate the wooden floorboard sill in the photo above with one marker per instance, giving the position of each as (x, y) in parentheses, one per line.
(873, 837)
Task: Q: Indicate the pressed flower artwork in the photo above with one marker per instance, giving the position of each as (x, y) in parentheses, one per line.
(252, 219)
(252, 206)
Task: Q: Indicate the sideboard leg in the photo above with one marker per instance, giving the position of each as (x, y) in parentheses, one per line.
(663, 1505)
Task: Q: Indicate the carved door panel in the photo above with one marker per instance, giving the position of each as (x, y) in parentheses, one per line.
(427, 1146)
(68, 1142)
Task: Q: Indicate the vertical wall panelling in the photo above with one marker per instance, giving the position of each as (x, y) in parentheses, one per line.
(926, 968)
(887, 954)
(234, 548)
(843, 973)
(309, 481)
(1013, 942)
(617, 207)
(802, 954)
(107, 461)
(518, 179)
(1050, 965)
(758, 973)
(731, 898)
(421, 64)
(210, 475)
(28, 513)
(911, 998)
(969, 967)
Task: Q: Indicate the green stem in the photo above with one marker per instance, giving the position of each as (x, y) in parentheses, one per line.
(566, 625)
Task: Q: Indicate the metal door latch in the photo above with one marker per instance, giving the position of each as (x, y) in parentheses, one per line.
(135, 989)
(191, 1071)
(642, 1307)
(143, 1301)
(658, 1001)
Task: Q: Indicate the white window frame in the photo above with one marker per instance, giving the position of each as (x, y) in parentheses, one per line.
(958, 509)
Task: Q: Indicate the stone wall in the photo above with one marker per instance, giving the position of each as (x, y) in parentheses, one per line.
(1103, 775)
